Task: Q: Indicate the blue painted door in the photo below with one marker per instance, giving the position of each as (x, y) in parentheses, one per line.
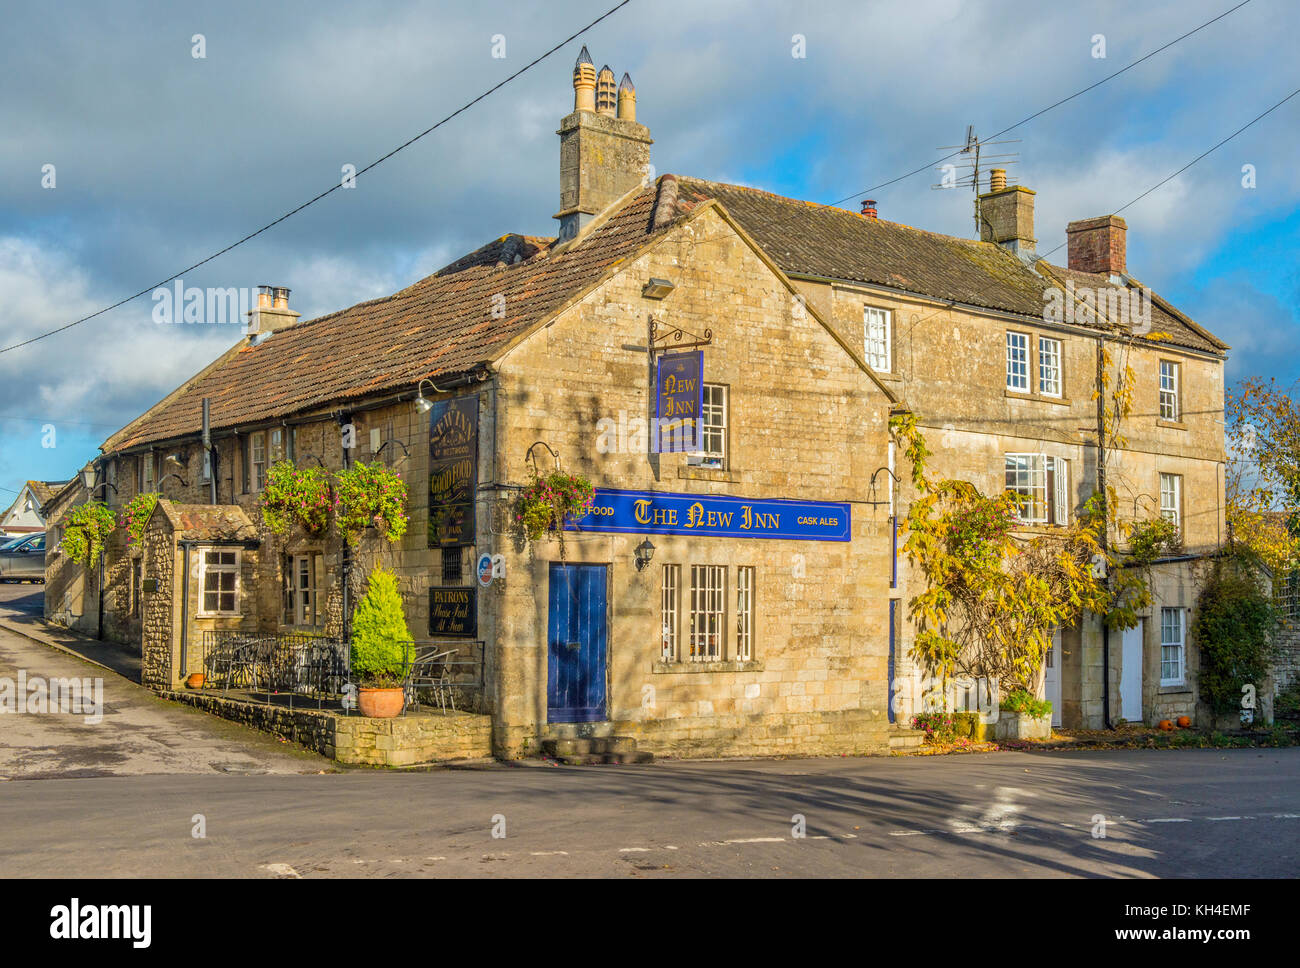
(576, 634)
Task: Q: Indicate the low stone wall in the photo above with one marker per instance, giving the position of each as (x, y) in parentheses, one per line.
(404, 741)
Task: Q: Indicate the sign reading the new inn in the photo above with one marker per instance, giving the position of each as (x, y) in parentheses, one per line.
(656, 512)
(679, 398)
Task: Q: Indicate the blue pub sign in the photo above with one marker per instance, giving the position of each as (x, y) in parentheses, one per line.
(708, 515)
(679, 400)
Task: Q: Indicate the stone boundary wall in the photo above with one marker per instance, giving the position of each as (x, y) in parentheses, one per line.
(404, 741)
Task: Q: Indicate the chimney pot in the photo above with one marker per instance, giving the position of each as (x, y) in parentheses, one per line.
(606, 93)
(626, 99)
(1098, 244)
(869, 207)
(997, 179)
(584, 83)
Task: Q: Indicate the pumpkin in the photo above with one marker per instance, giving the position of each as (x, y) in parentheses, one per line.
(1184, 722)
(1165, 725)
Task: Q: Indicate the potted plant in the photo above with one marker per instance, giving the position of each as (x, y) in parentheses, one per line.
(548, 503)
(195, 680)
(381, 647)
(296, 496)
(369, 496)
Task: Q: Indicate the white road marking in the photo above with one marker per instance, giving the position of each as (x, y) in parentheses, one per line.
(550, 853)
(756, 840)
(1167, 820)
(634, 850)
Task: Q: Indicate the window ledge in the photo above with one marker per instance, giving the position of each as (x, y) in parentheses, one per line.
(693, 473)
(1029, 395)
(1176, 689)
(1171, 424)
(753, 665)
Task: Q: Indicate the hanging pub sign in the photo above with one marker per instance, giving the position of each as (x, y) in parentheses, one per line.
(658, 512)
(453, 612)
(679, 400)
(453, 471)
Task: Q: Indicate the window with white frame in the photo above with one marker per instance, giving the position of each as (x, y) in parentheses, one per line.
(1018, 362)
(670, 603)
(257, 460)
(218, 581)
(1042, 484)
(146, 472)
(276, 442)
(1026, 477)
(713, 428)
(1168, 390)
(1049, 366)
(1171, 498)
(708, 612)
(1173, 633)
(302, 579)
(745, 613)
(875, 326)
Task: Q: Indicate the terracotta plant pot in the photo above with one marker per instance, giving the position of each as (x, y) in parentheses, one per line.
(1165, 725)
(379, 703)
(195, 680)
(1184, 722)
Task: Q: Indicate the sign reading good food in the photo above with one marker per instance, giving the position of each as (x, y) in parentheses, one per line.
(453, 612)
(655, 512)
(679, 399)
(453, 471)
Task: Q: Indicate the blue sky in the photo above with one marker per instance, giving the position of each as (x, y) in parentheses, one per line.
(162, 158)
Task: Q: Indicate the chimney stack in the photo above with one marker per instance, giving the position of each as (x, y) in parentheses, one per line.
(1006, 215)
(1098, 245)
(272, 313)
(869, 207)
(604, 152)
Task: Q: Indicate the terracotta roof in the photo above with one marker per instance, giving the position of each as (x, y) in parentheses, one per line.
(442, 325)
(453, 321)
(805, 238)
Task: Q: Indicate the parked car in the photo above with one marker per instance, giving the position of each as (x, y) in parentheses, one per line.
(23, 559)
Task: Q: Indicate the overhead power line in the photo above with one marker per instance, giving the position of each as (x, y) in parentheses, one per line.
(312, 201)
(1208, 151)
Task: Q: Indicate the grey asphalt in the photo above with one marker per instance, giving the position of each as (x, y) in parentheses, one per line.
(123, 798)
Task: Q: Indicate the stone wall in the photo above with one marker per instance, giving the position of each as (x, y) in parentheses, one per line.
(805, 422)
(403, 741)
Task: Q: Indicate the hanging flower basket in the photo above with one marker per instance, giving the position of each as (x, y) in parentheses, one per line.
(136, 513)
(370, 495)
(549, 502)
(296, 497)
(88, 527)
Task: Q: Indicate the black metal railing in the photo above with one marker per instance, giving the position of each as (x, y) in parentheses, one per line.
(284, 667)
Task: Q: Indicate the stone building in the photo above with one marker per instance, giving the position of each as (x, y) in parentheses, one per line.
(737, 588)
(27, 513)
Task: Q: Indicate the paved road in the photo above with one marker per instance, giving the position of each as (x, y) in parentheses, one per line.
(1192, 813)
(119, 798)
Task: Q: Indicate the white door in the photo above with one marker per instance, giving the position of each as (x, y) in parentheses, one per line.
(1130, 674)
(1052, 677)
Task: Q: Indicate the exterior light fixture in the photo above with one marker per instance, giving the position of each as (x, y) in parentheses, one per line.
(644, 552)
(88, 477)
(657, 288)
(422, 403)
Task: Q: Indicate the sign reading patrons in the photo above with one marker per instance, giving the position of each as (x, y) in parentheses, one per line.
(656, 512)
(453, 471)
(679, 398)
(453, 612)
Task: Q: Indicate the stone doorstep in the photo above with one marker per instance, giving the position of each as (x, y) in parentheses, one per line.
(906, 739)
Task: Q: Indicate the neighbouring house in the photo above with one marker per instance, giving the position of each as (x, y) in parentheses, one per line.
(27, 514)
(737, 593)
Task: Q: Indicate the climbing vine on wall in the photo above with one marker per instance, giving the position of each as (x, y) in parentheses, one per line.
(86, 529)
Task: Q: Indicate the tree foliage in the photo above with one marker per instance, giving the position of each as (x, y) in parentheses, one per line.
(1263, 477)
(381, 641)
(1233, 628)
(992, 594)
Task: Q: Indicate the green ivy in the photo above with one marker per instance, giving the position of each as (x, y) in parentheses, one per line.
(1233, 629)
(88, 527)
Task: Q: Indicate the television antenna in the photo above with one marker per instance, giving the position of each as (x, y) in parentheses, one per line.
(967, 170)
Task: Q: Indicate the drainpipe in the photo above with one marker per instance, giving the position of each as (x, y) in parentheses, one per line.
(185, 606)
(346, 567)
(99, 629)
(1105, 527)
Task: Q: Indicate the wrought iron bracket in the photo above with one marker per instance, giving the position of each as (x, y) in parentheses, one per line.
(665, 336)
